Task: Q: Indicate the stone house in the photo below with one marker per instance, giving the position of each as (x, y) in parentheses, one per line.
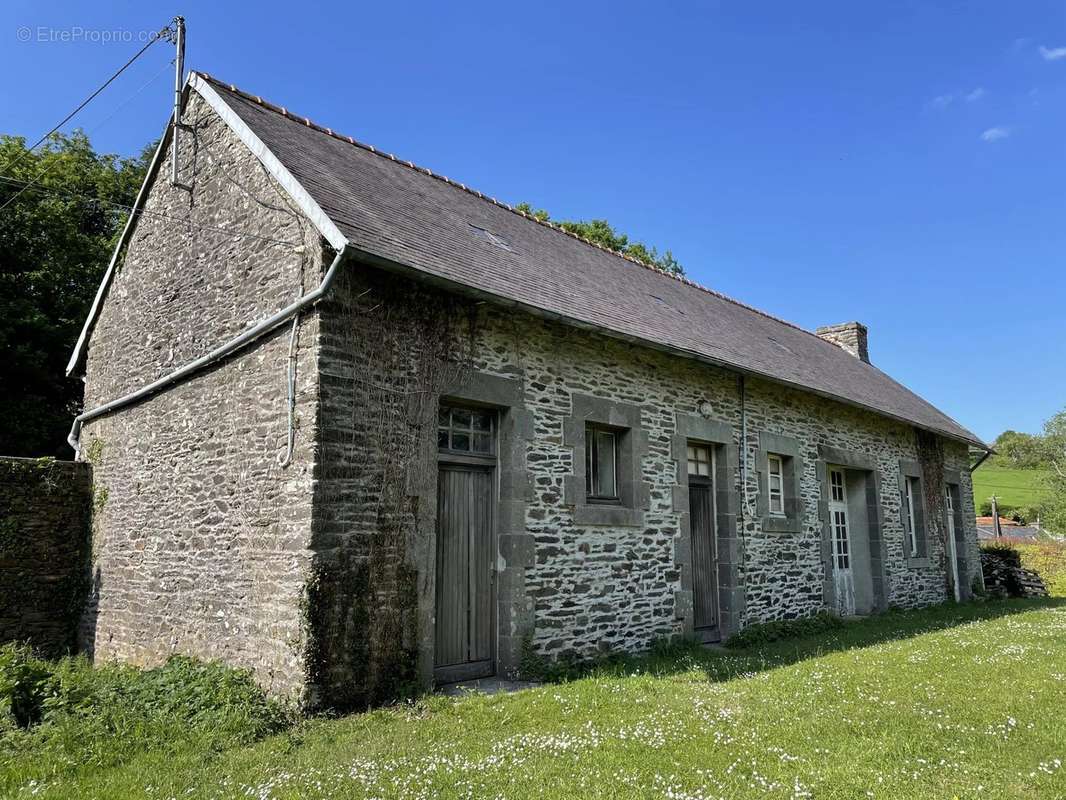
(360, 428)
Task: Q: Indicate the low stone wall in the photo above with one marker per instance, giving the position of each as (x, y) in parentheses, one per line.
(45, 508)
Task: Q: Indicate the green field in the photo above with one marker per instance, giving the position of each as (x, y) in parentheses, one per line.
(951, 702)
(1014, 487)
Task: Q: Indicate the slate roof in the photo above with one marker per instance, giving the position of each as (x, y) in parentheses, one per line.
(406, 215)
(1009, 532)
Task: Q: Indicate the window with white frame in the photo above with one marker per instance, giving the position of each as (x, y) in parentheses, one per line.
(911, 497)
(775, 484)
(601, 464)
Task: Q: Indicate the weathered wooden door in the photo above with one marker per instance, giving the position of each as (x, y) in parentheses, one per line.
(704, 544)
(953, 549)
(465, 600)
(839, 528)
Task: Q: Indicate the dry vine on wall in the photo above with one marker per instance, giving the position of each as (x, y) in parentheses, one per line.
(931, 460)
(406, 345)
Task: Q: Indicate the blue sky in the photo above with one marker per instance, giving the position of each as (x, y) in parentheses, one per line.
(903, 165)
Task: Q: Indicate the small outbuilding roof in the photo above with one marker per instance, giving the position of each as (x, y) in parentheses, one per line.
(393, 212)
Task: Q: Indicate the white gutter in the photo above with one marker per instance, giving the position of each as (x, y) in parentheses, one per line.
(258, 330)
(98, 301)
(275, 168)
(304, 202)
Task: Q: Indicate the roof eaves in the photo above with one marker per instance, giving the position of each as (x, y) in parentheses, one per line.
(374, 260)
(206, 80)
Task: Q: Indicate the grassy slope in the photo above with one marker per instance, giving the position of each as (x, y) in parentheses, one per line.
(1014, 487)
(952, 702)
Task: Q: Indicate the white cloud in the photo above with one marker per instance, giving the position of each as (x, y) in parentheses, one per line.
(1052, 53)
(995, 134)
(942, 101)
(975, 95)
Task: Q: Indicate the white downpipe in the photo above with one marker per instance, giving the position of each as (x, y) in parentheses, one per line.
(250, 335)
(290, 402)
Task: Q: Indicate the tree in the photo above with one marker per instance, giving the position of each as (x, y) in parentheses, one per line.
(56, 239)
(1055, 450)
(1021, 450)
(601, 232)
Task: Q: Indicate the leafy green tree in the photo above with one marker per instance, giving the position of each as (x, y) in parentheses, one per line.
(1021, 450)
(1055, 450)
(601, 232)
(56, 238)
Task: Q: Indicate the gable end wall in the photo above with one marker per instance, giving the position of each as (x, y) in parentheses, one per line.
(200, 538)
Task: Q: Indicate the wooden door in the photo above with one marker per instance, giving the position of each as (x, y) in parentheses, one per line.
(464, 620)
(704, 545)
(953, 548)
(839, 528)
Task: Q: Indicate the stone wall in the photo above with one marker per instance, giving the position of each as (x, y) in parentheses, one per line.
(590, 587)
(45, 508)
(319, 576)
(200, 537)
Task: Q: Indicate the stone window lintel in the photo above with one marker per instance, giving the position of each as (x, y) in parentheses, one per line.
(909, 468)
(635, 493)
(792, 465)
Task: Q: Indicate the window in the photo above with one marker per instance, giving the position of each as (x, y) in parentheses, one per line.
(775, 486)
(609, 444)
(836, 484)
(699, 461)
(468, 431)
(601, 465)
(838, 505)
(779, 469)
(911, 493)
(840, 540)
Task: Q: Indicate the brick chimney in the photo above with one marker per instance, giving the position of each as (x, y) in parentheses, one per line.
(850, 336)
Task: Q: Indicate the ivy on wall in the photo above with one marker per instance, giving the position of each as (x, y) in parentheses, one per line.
(930, 451)
(402, 346)
(44, 548)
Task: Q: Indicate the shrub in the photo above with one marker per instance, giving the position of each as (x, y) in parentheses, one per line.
(1006, 510)
(1048, 560)
(23, 686)
(765, 632)
(66, 714)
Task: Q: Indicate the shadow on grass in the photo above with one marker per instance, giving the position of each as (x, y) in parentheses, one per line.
(723, 664)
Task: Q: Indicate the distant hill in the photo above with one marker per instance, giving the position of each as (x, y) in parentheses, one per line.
(1015, 488)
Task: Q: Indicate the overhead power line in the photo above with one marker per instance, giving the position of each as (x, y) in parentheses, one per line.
(33, 181)
(163, 32)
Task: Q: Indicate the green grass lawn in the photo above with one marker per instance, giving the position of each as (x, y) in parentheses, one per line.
(957, 701)
(1013, 487)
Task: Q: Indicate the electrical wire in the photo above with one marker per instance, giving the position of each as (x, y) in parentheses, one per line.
(154, 38)
(159, 214)
(93, 129)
